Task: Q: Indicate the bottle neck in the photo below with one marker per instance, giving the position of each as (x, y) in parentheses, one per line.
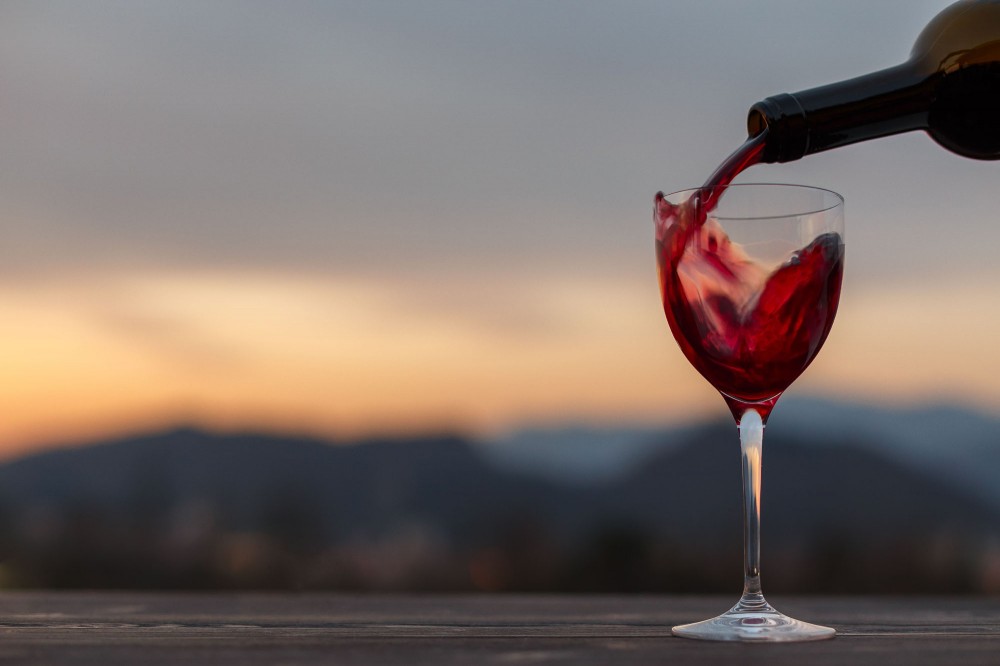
(886, 102)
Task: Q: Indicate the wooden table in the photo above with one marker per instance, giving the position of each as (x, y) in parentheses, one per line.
(247, 629)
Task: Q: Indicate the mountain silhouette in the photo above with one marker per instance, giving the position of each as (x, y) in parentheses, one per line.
(826, 503)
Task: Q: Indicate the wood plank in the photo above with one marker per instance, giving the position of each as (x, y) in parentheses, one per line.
(108, 628)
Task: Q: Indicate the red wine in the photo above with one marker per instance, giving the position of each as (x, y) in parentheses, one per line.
(689, 217)
(949, 87)
(749, 331)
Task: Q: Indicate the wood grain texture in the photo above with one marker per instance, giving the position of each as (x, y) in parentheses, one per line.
(155, 628)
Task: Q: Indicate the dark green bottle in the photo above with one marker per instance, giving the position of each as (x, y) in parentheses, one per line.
(950, 88)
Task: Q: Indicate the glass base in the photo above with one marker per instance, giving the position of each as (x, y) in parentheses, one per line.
(754, 622)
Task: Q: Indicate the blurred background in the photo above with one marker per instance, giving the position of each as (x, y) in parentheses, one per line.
(361, 295)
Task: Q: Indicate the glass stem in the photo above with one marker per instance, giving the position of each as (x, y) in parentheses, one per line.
(752, 448)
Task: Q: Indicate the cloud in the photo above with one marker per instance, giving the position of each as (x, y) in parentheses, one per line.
(353, 137)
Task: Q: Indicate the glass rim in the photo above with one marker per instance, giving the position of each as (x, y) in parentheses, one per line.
(839, 200)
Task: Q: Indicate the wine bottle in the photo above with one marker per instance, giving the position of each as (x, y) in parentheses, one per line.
(950, 88)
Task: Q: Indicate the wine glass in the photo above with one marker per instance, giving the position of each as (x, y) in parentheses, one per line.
(750, 279)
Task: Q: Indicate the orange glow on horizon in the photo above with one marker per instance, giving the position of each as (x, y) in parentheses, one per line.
(295, 354)
(348, 358)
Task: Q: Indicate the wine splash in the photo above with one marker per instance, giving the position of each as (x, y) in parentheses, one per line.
(688, 217)
(749, 330)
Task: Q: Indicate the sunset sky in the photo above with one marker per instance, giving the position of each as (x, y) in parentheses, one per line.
(388, 216)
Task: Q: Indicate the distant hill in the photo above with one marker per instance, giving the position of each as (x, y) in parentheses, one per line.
(958, 445)
(348, 491)
(955, 444)
(171, 507)
(577, 453)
